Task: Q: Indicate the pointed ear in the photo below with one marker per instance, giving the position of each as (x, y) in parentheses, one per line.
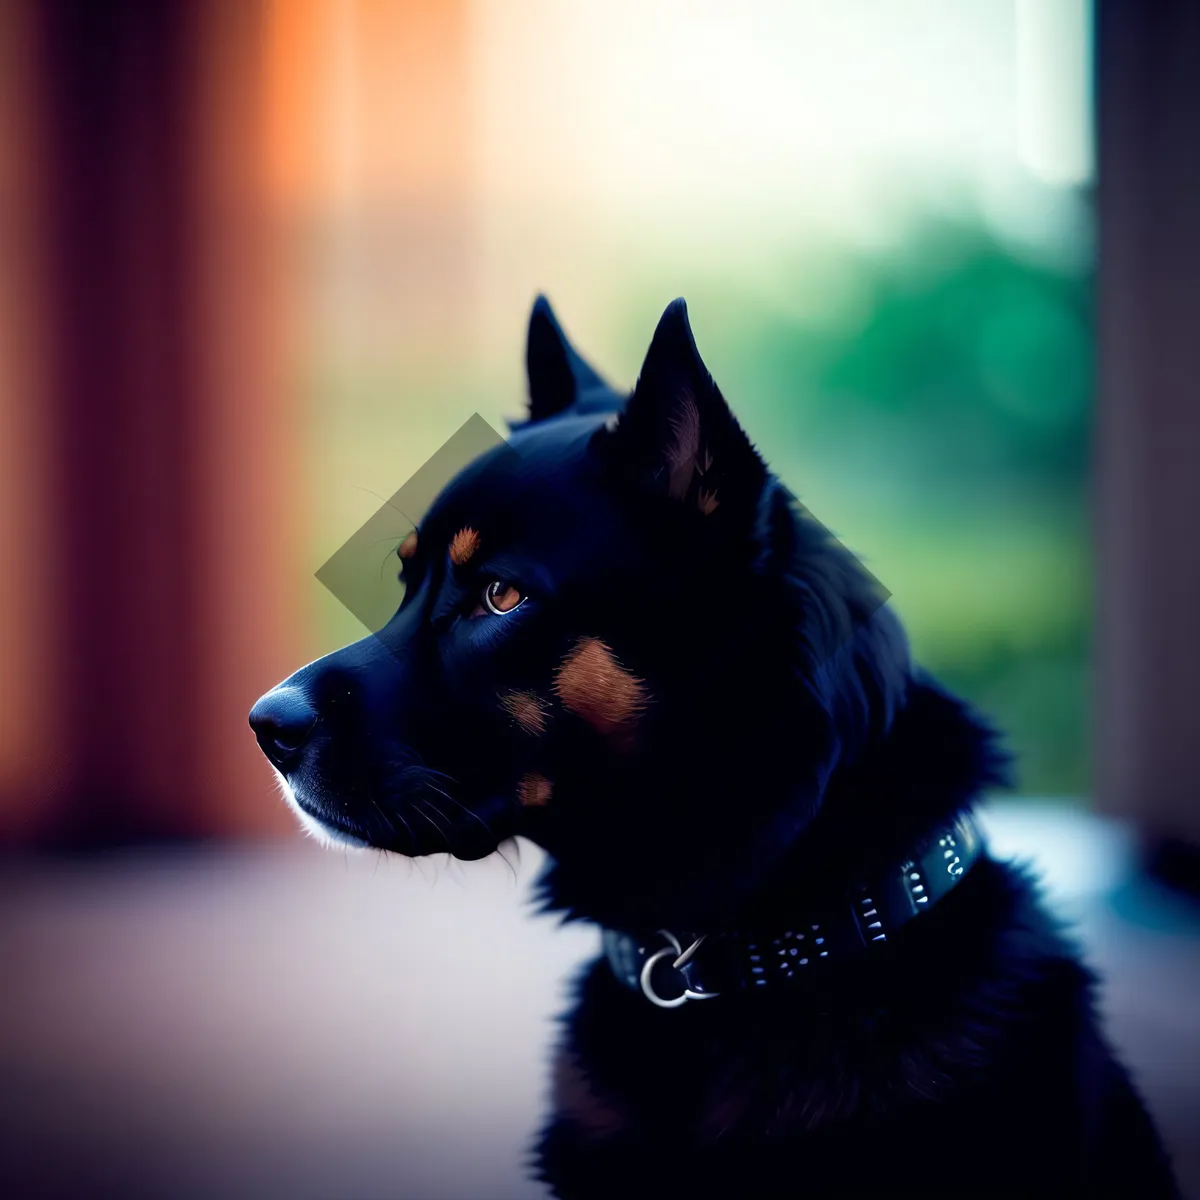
(678, 435)
(557, 374)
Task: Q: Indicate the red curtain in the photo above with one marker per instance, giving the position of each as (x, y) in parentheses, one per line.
(148, 478)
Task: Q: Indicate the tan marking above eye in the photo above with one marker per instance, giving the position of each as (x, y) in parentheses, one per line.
(534, 790)
(408, 548)
(707, 502)
(527, 709)
(593, 685)
(464, 544)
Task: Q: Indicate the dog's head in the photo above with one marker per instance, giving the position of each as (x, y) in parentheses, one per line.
(619, 636)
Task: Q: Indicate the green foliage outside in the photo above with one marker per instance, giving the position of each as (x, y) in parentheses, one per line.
(932, 405)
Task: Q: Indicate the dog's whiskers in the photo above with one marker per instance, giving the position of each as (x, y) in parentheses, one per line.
(426, 776)
(386, 819)
(412, 837)
(468, 811)
(432, 772)
(427, 773)
(504, 858)
(417, 808)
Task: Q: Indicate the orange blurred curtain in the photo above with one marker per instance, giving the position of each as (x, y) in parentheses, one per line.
(150, 444)
(166, 171)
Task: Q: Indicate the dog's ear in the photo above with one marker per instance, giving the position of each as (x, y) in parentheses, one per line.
(557, 373)
(678, 435)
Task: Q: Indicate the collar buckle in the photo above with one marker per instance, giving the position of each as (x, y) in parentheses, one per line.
(864, 918)
(681, 960)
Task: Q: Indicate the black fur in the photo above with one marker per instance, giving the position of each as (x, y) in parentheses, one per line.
(784, 747)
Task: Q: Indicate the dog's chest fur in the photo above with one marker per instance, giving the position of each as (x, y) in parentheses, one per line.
(968, 1065)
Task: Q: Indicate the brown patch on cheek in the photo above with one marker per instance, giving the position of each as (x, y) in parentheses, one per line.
(527, 709)
(463, 545)
(707, 502)
(408, 547)
(534, 790)
(594, 686)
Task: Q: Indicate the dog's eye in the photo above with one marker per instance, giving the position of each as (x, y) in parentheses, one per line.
(499, 597)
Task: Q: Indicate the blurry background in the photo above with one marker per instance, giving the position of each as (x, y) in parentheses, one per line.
(880, 215)
(259, 260)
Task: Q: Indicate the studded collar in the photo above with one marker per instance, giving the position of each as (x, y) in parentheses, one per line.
(670, 970)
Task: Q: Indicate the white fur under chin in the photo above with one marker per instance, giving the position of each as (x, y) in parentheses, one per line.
(321, 833)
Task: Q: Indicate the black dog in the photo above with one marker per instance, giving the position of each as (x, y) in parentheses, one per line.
(621, 637)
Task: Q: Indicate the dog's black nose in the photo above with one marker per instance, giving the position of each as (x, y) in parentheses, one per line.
(282, 721)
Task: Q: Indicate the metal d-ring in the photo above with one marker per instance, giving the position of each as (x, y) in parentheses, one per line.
(680, 958)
